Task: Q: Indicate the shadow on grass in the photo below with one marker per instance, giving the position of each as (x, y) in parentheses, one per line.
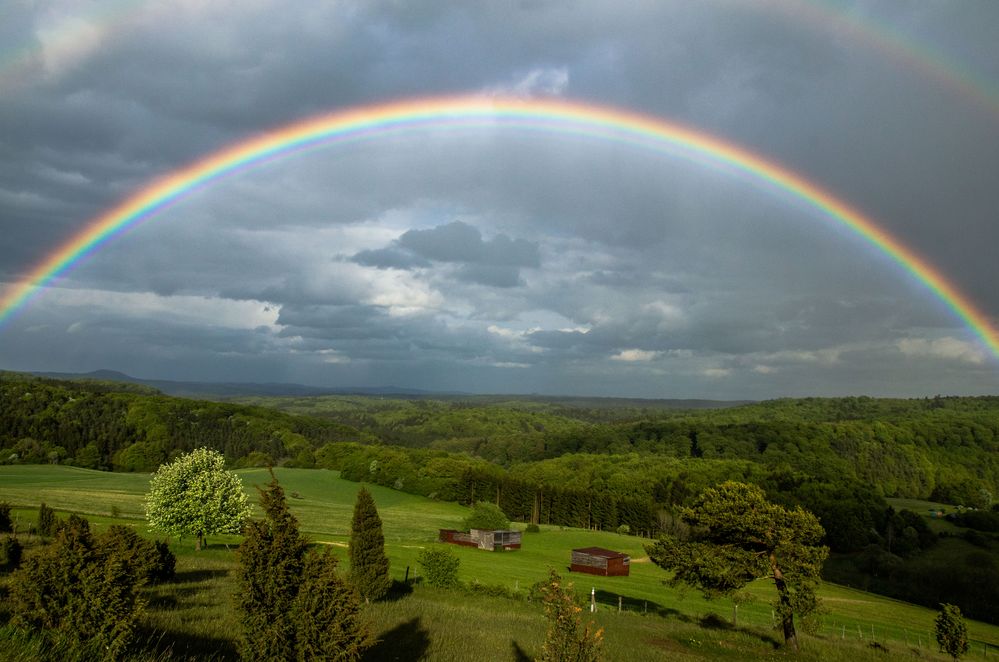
(713, 621)
(518, 653)
(193, 576)
(397, 591)
(610, 599)
(407, 642)
(162, 645)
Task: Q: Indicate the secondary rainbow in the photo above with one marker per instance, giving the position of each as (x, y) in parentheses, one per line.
(547, 116)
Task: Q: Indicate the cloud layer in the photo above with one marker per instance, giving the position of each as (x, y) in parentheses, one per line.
(495, 260)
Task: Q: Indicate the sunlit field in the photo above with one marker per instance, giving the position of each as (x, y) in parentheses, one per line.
(494, 618)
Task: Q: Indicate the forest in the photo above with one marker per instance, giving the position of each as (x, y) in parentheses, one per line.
(624, 466)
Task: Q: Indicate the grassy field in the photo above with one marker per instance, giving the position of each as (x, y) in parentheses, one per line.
(655, 622)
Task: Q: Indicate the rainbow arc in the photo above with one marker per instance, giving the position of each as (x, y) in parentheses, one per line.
(545, 116)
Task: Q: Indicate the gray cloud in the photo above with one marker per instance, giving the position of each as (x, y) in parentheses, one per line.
(489, 259)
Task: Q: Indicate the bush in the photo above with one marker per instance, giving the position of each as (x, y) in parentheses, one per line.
(165, 568)
(6, 525)
(46, 520)
(150, 561)
(487, 516)
(79, 593)
(952, 633)
(10, 554)
(533, 528)
(440, 566)
(567, 638)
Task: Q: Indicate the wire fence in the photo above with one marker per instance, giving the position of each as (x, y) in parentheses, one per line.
(877, 635)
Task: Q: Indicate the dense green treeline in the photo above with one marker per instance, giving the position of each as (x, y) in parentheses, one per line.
(939, 448)
(94, 425)
(541, 461)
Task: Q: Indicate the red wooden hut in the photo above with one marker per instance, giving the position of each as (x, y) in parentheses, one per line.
(600, 561)
(500, 540)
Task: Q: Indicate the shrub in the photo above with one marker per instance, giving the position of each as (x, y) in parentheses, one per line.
(151, 561)
(46, 520)
(10, 554)
(6, 525)
(952, 633)
(533, 528)
(166, 563)
(566, 638)
(79, 593)
(440, 566)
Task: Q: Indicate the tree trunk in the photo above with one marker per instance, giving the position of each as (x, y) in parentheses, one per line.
(790, 635)
(200, 541)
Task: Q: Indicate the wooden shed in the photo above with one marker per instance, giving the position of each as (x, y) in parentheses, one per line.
(499, 540)
(600, 561)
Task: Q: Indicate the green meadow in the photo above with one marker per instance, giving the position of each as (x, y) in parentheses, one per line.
(192, 617)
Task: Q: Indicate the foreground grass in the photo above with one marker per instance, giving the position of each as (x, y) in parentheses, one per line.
(193, 617)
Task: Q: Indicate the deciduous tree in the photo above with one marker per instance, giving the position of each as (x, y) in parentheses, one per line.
(738, 536)
(195, 495)
(486, 515)
(952, 633)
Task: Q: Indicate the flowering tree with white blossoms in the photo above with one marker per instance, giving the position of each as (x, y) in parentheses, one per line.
(195, 495)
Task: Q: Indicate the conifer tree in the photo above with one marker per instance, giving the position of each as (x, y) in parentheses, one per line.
(736, 536)
(272, 558)
(293, 604)
(46, 520)
(369, 567)
(327, 613)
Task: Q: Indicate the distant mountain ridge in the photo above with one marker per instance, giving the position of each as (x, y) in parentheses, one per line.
(232, 389)
(273, 389)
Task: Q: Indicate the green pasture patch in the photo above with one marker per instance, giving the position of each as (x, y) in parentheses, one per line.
(656, 622)
(926, 510)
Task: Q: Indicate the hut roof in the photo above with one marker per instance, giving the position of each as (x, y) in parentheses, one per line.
(600, 551)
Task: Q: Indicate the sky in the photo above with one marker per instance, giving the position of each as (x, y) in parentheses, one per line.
(495, 259)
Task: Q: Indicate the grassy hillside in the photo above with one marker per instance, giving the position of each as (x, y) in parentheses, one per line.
(657, 622)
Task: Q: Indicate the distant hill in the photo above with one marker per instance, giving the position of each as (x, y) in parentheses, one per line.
(271, 389)
(233, 389)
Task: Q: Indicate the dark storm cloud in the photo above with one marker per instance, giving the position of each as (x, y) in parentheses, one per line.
(460, 242)
(494, 262)
(572, 265)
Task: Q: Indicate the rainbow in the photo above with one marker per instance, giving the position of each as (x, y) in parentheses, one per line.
(870, 32)
(548, 116)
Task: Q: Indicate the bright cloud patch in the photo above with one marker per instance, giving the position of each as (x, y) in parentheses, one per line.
(636, 356)
(950, 349)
